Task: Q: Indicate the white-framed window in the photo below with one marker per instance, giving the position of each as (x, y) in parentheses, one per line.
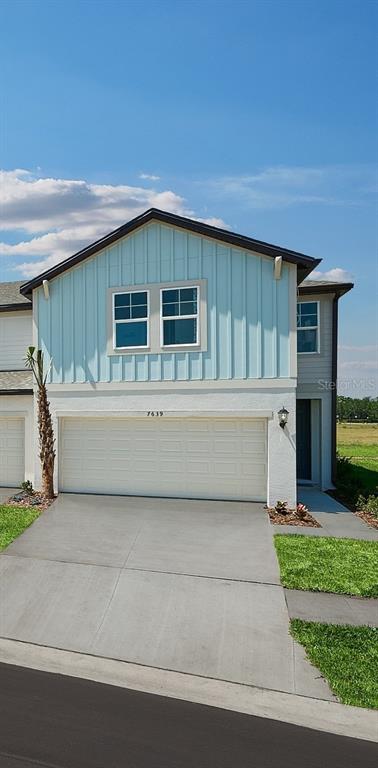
(307, 327)
(179, 316)
(131, 320)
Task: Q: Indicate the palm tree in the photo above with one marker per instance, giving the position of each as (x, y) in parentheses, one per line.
(34, 361)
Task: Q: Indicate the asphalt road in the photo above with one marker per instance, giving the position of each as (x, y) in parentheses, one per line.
(61, 722)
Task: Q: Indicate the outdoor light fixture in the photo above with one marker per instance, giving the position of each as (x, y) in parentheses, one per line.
(282, 417)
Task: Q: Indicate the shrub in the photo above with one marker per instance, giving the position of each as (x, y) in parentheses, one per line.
(281, 508)
(347, 485)
(301, 511)
(368, 504)
(27, 487)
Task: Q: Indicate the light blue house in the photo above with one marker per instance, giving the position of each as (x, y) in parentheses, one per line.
(174, 359)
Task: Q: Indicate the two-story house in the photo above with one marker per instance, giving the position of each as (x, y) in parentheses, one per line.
(174, 347)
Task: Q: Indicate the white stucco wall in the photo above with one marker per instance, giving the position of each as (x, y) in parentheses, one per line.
(262, 401)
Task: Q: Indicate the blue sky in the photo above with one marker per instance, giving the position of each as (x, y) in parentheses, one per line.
(257, 115)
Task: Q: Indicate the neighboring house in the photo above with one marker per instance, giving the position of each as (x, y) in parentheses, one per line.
(174, 347)
(16, 387)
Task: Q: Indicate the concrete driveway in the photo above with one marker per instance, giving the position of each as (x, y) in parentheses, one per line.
(188, 586)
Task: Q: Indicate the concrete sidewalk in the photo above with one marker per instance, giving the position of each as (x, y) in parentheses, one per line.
(331, 608)
(5, 493)
(335, 519)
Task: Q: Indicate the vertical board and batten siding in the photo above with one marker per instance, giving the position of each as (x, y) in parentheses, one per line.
(247, 311)
(15, 337)
(316, 367)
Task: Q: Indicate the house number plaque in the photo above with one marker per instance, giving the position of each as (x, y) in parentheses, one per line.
(155, 413)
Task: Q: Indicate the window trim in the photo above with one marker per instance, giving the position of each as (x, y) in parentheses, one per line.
(311, 327)
(154, 310)
(131, 319)
(192, 344)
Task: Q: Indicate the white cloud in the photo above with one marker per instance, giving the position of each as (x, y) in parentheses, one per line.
(337, 275)
(358, 370)
(368, 348)
(284, 186)
(149, 177)
(358, 365)
(65, 215)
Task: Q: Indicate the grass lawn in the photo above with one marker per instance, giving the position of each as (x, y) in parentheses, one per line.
(360, 443)
(14, 520)
(361, 434)
(325, 564)
(346, 656)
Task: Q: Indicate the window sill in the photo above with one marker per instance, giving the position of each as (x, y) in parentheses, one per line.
(182, 348)
(129, 351)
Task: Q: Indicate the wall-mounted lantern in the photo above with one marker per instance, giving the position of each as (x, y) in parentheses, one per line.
(282, 417)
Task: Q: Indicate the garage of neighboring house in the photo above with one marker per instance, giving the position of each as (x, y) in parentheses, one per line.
(190, 457)
(12, 451)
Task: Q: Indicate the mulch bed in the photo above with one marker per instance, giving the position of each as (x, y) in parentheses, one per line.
(367, 518)
(36, 500)
(291, 518)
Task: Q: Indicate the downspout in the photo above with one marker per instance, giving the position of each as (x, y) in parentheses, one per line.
(335, 316)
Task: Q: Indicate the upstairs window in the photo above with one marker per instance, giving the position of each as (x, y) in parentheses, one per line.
(180, 317)
(130, 320)
(308, 326)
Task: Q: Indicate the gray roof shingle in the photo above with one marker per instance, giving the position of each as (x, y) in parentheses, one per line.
(324, 286)
(10, 294)
(13, 381)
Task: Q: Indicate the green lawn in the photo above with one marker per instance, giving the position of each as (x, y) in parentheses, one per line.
(346, 656)
(322, 564)
(14, 520)
(366, 434)
(359, 442)
(358, 450)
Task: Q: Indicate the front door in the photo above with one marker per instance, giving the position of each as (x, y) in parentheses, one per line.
(304, 439)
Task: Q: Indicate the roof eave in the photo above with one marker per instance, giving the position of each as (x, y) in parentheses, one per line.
(16, 392)
(305, 264)
(16, 307)
(338, 288)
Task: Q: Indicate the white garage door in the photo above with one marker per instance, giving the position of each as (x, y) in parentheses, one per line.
(12, 452)
(204, 458)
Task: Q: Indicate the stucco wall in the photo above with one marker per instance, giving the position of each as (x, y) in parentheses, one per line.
(257, 401)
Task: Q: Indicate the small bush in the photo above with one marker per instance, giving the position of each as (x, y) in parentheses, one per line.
(27, 487)
(301, 511)
(281, 508)
(368, 504)
(347, 485)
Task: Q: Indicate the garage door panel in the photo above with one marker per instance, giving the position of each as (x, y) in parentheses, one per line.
(12, 452)
(188, 457)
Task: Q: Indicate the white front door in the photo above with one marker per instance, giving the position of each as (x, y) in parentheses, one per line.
(12, 451)
(208, 458)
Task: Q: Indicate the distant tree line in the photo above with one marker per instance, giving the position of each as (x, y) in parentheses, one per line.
(357, 409)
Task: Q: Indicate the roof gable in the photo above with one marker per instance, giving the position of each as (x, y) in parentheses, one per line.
(304, 263)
